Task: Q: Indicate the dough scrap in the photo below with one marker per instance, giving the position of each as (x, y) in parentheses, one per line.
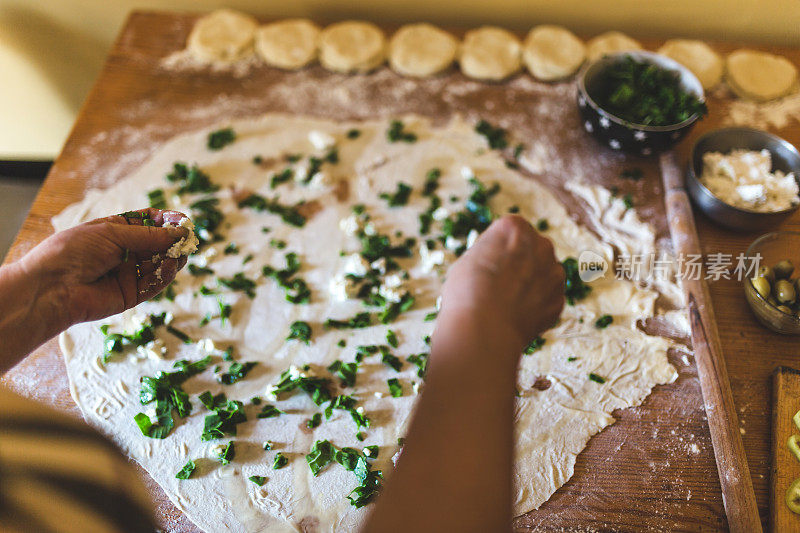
(223, 36)
(352, 46)
(698, 57)
(760, 76)
(289, 44)
(610, 42)
(490, 53)
(552, 52)
(421, 50)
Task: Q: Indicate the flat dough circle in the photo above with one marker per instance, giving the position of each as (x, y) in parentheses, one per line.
(421, 50)
(352, 46)
(552, 52)
(759, 75)
(224, 35)
(490, 53)
(289, 44)
(698, 57)
(610, 42)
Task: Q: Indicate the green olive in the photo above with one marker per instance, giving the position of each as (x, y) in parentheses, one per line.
(784, 291)
(762, 287)
(783, 269)
(766, 272)
(784, 309)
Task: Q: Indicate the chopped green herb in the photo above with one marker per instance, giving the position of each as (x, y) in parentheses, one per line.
(513, 209)
(361, 435)
(345, 372)
(258, 480)
(399, 197)
(596, 378)
(393, 309)
(391, 338)
(280, 461)
(496, 137)
(276, 243)
(195, 270)
(187, 470)
(320, 456)
(353, 134)
(288, 214)
(257, 160)
(157, 199)
(236, 372)
(397, 133)
(231, 249)
(227, 454)
(255, 400)
(247, 259)
(191, 179)
(223, 421)
(421, 362)
(221, 138)
(315, 387)
(534, 345)
(603, 322)
(281, 177)
(296, 290)
(239, 282)
(269, 411)
(543, 224)
(342, 343)
(268, 445)
(430, 317)
(628, 200)
(572, 359)
(395, 388)
(574, 289)
(431, 181)
(314, 421)
(390, 360)
(518, 150)
(361, 320)
(300, 331)
(371, 451)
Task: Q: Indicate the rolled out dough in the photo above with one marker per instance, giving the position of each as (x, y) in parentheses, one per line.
(698, 57)
(552, 425)
(759, 75)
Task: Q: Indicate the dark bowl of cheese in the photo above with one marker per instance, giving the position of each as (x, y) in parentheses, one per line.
(639, 102)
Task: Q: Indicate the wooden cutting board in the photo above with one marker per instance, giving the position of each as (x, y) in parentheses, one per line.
(654, 469)
(785, 466)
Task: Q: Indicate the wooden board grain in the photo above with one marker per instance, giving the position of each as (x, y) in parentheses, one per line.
(785, 466)
(653, 470)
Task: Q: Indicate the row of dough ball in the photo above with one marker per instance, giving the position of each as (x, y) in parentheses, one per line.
(488, 53)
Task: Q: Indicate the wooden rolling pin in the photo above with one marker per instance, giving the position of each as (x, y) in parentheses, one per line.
(785, 467)
(723, 423)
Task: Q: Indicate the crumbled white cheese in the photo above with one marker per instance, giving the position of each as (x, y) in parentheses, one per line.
(267, 444)
(356, 265)
(415, 386)
(440, 214)
(467, 173)
(367, 452)
(205, 256)
(154, 350)
(452, 244)
(342, 288)
(430, 259)
(206, 345)
(320, 180)
(379, 265)
(369, 229)
(392, 288)
(350, 225)
(438, 302)
(186, 245)
(270, 392)
(321, 140)
(216, 450)
(744, 179)
(378, 394)
(393, 281)
(151, 414)
(472, 237)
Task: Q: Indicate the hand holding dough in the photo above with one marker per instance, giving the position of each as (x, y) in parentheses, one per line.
(490, 53)
(759, 75)
(224, 36)
(552, 52)
(421, 50)
(698, 57)
(352, 46)
(288, 44)
(610, 43)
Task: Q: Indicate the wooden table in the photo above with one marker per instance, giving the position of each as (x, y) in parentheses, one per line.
(654, 469)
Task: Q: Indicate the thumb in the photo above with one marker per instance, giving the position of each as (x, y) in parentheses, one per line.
(143, 239)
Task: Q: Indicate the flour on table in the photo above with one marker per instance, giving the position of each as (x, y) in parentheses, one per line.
(553, 423)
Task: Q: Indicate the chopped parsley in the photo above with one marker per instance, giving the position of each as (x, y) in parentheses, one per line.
(571, 359)
(281, 177)
(236, 372)
(393, 309)
(280, 461)
(207, 218)
(212, 402)
(227, 454)
(574, 289)
(288, 214)
(323, 453)
(296, 290)
(320, 456)
(361, 320)
(543, 224)
(495, 136)
(269, 411)
(191, 179)
(395, 388)
(195, 270)
(534, 345)
(594, 377)
(346, 372)
(431, 181)
(239, 282)
(300, 331)
(603, 322)
(390, 360)
(157, 199)
(314, 421)
(396, 132)
(399, 197)
(348, 403)
(353, 134)
(223, 421)
(115, 343)
(231, 249)
(277, 243)
(421, 362)
(258, 480)
(391, 339)
(628, 201)
(219, 139)
(291, 380)
(342, 343)
(187, 470)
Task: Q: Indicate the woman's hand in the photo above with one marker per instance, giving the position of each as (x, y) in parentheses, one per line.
(508, 280)
(88, 272)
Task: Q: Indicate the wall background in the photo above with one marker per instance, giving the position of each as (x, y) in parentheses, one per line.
(51, 51)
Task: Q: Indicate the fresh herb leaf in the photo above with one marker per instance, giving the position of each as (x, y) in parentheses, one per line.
(288, 214)
(314, 421)
(495, 136)
(346, 372)
(320, 456)
(236, 372)
(300, 331)
(574, 288)
(282, 177)
(603, 322)
(594, 377)
(157, 199)
(390, 360)
(227, 454)
(534, 345)
(391, 338)
(395, 388)
(187, 470)
(223, 421)
(543, 224)
(239, 282)
(258, 480)
(353, 134)
(280, 461)
(396, 132)
(269, 411)
(421, 362)
(399, 197)
(221, 138)
(361, 320)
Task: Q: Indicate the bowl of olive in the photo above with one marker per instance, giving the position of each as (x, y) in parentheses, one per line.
(774, 292)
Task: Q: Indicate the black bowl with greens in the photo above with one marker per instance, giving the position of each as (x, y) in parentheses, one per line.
(639, 102)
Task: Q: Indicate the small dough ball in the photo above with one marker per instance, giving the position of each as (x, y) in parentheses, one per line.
(698, 57)
(490, 53)
(421, 50)
(288, 44)
(352, 46)
(759, 75)
(610, 43)
(224, 36)
(553, 52)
